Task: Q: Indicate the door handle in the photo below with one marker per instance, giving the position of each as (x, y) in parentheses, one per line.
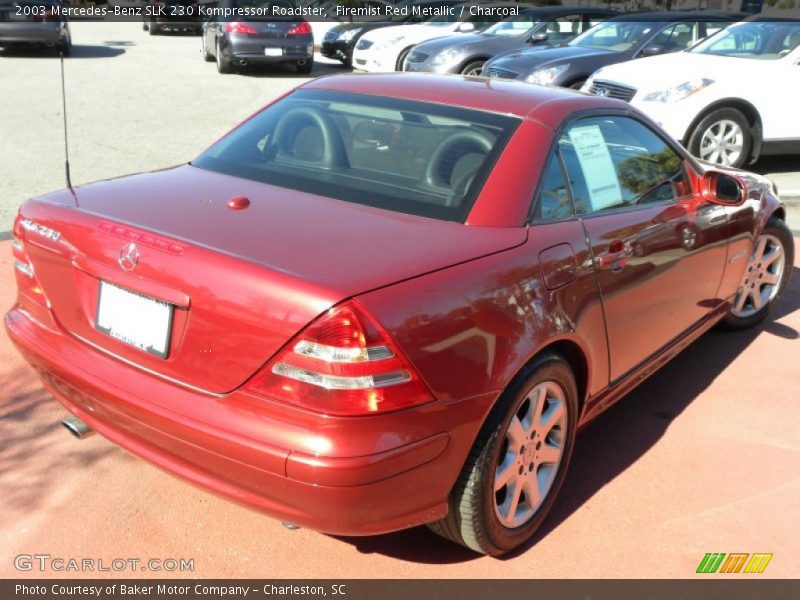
(618, 251)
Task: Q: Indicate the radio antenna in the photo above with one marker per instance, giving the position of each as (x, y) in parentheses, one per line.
(66, 138)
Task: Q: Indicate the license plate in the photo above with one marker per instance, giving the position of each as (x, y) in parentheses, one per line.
(139, 321)
(273, 51)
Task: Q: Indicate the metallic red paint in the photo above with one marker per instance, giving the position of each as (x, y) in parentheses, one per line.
(468, 304)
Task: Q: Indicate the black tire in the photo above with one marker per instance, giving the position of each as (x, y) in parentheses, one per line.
(153, 29)
(224, 65)
(207, 56)
(777, 230)
(305, 69)
(472, 519)
(723, 114)
(401, 58)
(475, 65)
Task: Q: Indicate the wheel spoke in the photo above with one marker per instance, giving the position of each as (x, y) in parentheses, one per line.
(516, 492)
(553, 418)
(714, 156)
(537, 405)
(771, 279)
(516, 434)
(755, 294)
(533, 495)
(761, 245)
(772, 256)
(506, 473)
(741, 299)
(549, 454)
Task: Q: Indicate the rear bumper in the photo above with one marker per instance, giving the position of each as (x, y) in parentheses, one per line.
(238, 48)
(31, 33)
(399, 477)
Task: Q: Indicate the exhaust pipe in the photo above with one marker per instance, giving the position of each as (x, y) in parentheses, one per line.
(78, 428)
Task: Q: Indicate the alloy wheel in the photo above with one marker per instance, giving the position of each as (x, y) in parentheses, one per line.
(722, 142)
(762, 278)
(530, 454)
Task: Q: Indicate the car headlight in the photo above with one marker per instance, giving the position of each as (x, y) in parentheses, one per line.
(348, 35)
(678, 92)
(547, 75)
(446, 56)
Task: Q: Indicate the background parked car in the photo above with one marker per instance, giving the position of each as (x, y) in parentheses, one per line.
(258, 41)
(340, 41)
(385, 49)
(536, 27)
(730, 99)
(173, 16)
(322, 26)
(41, 26)
(617, 40)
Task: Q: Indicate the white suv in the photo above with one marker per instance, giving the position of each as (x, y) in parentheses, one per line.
(729, 99)
(385, 49)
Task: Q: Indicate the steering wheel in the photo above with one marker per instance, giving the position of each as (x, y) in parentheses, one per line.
(441, 168)
(332, 155)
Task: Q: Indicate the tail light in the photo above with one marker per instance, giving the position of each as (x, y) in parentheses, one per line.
(27, 282)
(344, 363)
(237, 27)
(302, 28)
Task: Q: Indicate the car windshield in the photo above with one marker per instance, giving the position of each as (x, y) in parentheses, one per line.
(759, 40)
(412, 157)
(513, 27)
(616, 36)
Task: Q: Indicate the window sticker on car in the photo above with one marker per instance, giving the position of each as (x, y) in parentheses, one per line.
(597, 166)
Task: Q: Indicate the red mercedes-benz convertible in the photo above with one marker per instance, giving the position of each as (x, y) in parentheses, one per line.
(390, 300)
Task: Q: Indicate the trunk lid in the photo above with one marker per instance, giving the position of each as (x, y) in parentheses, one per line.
(243, 282)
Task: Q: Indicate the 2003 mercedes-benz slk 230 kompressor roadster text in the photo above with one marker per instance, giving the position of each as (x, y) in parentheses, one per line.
(388, 300)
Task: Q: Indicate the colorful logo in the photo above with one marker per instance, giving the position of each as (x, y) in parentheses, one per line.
(736, 562)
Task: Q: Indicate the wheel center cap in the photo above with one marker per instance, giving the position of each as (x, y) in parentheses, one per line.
(530, 453)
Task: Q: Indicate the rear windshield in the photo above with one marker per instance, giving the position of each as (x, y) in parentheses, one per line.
(406, 156)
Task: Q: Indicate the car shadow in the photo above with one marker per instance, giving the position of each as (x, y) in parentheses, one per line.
(78, 51)
(37, 457)
(779, 163)
(615, 440)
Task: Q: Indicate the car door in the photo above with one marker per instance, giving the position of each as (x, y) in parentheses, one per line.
(777, 98)
(658, 249)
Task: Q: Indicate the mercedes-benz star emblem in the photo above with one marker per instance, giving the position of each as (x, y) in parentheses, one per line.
(128, 256)
(601, 91)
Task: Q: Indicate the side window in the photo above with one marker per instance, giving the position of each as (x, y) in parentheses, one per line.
(592, 20)
(615, 162)
(715, 26)
(564, 28)
(553, 202)
(674, 38)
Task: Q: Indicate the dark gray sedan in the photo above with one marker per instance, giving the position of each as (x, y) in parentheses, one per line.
(34, 23)
(533, 27)
(616, 40)
(258, 40)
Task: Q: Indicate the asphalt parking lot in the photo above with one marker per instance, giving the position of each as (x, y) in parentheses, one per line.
(703, 457)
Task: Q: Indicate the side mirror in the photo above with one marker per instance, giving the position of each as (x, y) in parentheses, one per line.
(466, 27)
(538, 37)
(653, 50)
(721, 188)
